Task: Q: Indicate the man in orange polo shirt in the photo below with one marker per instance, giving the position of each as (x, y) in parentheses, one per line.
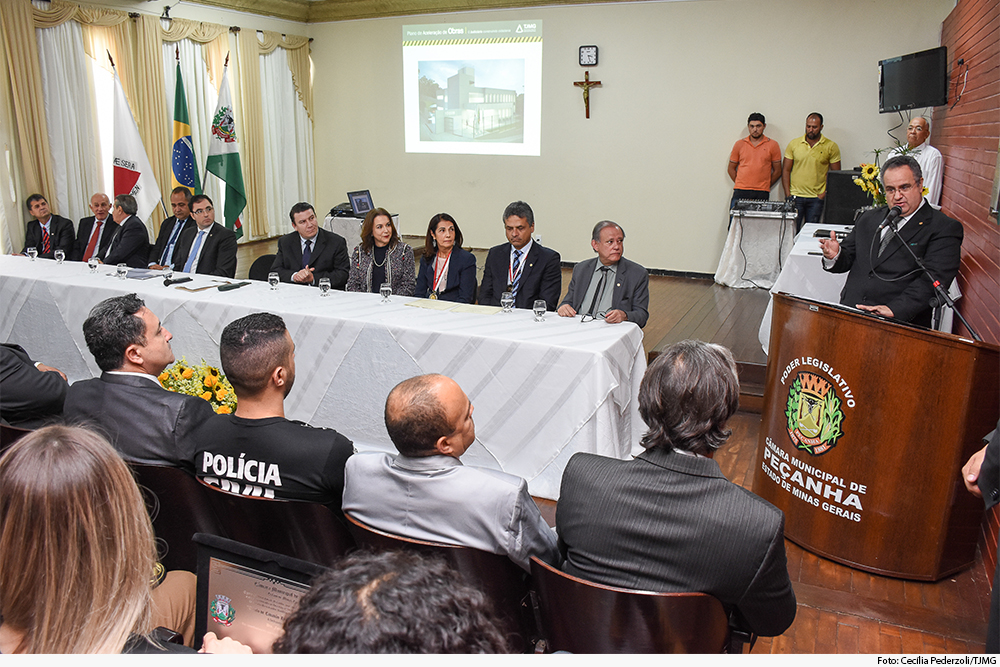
(755, 163)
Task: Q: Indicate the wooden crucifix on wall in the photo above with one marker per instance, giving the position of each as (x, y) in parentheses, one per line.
(586, 84)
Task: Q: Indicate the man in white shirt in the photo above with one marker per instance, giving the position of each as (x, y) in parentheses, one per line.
(929, 158)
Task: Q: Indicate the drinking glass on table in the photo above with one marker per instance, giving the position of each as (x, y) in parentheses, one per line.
(93, 262)
(324, 287)
(121, 271)
(539, 309)
(386, 291)
(32, 253)
(507, 301)
(168, 273)
(60, 255)
(272, 279)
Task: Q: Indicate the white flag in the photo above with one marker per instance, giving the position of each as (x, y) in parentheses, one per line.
(133, 173)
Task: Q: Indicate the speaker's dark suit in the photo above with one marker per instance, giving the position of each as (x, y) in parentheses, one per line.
(163, 237)
(670, 522)
(989, 485)
(541, 277)
(933, 236)
(328, 258)
(218, 257)
(145, 422)
(60, 237)
(130, 245)
(631, 293)
(27, 395)
(83, 237)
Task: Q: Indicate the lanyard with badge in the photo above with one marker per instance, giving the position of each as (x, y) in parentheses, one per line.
(439, 276)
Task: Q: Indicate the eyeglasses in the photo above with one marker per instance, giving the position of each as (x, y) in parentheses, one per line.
(904, 188)
(207, 209)
(591, 318)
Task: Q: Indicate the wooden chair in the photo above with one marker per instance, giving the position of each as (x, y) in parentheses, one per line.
(308, 531)
(11, 434)
(583, 617)
(497, 576)
(261, 267)
(179, 507)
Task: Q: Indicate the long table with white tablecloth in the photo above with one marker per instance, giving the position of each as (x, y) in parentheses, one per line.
(541, 390)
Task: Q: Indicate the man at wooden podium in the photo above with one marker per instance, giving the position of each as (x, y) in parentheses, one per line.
(884, 279)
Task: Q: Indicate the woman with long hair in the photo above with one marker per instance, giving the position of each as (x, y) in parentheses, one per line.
(381, 257)
(447, 271)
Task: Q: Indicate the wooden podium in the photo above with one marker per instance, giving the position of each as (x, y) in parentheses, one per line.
(866, 426)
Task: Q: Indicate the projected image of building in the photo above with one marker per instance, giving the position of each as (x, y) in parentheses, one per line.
(465, 112)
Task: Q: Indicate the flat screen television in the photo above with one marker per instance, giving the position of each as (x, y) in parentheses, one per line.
(913, 81)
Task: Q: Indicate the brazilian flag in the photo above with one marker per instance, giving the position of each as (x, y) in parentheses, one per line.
(182, 162)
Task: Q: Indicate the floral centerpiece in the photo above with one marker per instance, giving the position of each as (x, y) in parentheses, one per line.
(204, 381)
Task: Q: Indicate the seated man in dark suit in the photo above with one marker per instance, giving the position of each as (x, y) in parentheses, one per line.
(145, 422)
(130, 244)
(311, 253)
(96, 231)
(165, 249)
(521, 266)
(613, 288)
(31, 393)
(883, 277)
(426, 493)
(256, 451)
(981, 475)
(206, 247)
(668, 520)
(47, 232)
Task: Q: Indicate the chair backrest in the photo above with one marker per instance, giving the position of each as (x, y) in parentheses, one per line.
(11, 434)
(261, 267)
(308, 531)
(583, 617)
(179, 507)
(497, 576)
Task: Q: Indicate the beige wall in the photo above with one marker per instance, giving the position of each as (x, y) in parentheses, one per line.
(679, 79)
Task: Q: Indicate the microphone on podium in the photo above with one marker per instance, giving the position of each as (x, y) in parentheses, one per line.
(890, 217)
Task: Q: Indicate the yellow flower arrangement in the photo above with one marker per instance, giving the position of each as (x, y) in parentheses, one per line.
(869, 182)
(204, 381)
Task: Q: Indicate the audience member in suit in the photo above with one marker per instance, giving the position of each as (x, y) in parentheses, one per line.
(381, 257)
(164, 250)
(130, 244)
(278, 458)
(668, 520)
(521, 265)
(207, 247)
(446, 271)
(47, 232)
(30, 392)
(887, 281)
(392, 602)
(427, 494)
(588, 293)
(96, 231)
(311, 253)
(981, 475)
(142, 420)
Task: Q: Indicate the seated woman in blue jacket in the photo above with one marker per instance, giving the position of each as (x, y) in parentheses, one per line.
(446, 271)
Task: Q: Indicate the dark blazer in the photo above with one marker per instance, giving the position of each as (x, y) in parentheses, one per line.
(631, 293)
(461, 278)
(129, 245)
(933, 236)
(163, 237)
(218, 257)
(328, 258)
(541, 277)
(60, 237)
(27, 395)
(83, 237)
(670, 522)
(145, 422)
(989, 485)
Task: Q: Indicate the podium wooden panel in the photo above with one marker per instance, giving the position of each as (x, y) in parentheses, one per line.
(865, 427)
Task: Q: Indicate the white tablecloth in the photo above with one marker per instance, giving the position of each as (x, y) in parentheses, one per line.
(756, 248)
(541, 391)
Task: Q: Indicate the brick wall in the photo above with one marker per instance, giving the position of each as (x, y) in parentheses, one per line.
(968, 136)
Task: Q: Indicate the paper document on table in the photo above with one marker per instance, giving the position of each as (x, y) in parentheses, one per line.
(143, 274)
(473, 308)
(199, 284)
(432, 304)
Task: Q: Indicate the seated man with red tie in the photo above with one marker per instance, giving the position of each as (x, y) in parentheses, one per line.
(47, 232)
(96, 231)
(207, 247)
(311, 253)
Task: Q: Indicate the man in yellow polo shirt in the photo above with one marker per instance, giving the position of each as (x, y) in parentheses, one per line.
(754, 163)
(803, 176)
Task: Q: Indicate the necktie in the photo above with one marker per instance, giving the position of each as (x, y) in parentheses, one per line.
(189, 264)
(307, 254)
(93, 240)
(45, 241)
(517, 274)
(886, 237)
(168, 252)
(592, 311)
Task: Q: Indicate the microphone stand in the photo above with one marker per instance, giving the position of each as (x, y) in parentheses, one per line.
(942, 294)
